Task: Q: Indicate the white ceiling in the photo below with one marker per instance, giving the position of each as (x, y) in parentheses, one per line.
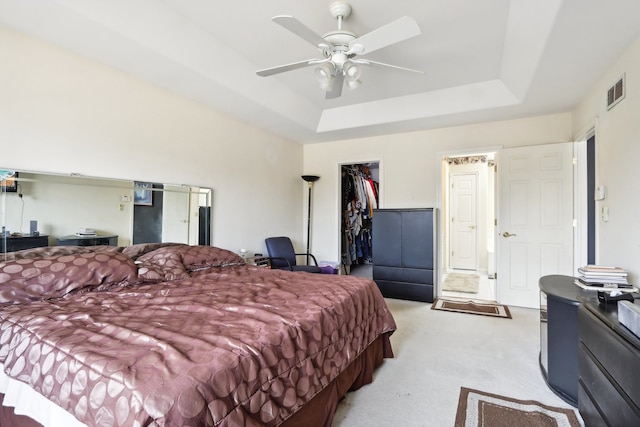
(484, 60)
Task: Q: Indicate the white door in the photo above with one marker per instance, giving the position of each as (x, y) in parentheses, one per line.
(464, 221)
(535, 222)
(175, 214)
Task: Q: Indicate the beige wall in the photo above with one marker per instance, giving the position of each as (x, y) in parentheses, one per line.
(61, 113)
(617, 161)
(410, 165)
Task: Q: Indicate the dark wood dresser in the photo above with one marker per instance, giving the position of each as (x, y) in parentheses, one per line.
(74, 240)
(11, 244)
(559, 335)
(609, 366)
(403, 244)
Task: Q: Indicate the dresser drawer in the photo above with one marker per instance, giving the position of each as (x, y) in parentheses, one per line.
(404, 290)
(588, 410)
(613, 403)
(403, 274)
(621, 360)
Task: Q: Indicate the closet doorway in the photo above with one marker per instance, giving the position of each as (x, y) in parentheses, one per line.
(468, 225)
(358, 199)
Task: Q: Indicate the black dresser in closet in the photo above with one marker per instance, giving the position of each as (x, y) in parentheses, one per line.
(404, 259)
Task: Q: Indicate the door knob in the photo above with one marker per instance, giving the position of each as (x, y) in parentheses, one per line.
(473, 227)
(507, 234)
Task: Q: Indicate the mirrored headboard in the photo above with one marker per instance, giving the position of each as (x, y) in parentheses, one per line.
(42, 209)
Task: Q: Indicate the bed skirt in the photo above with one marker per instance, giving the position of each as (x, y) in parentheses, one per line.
(318, 412)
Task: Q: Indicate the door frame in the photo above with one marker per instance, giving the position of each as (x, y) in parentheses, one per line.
(338, 193)
(580, 201)
(442, 204)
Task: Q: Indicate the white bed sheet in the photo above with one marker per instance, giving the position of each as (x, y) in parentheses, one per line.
(27, 401)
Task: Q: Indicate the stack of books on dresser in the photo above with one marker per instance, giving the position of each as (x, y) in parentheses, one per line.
(86, 232)
(599, 277)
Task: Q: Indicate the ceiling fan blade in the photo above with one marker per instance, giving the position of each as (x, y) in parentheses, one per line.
(394, 32)
(288, 67)
(382, 64)
(301, 30)
(336, 89)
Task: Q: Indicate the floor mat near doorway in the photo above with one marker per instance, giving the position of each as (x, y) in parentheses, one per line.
(459, 282)
(472, 307)
(481, 409)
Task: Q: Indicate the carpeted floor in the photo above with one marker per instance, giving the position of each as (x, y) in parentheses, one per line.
(437, 353)
(459, 282)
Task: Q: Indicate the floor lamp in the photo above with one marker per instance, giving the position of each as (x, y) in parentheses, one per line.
(310, 180)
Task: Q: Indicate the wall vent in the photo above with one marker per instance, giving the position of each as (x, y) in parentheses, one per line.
(616, 93)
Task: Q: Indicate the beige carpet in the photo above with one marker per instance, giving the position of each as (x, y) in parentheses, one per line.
(477, 408)
(459, 282)
(436, 353)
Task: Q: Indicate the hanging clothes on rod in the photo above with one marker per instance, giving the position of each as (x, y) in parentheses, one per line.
(359, 199)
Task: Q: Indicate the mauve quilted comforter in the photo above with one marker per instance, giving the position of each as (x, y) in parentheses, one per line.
(229, 346)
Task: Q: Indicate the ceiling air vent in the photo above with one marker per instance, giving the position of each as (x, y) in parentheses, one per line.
(615, 93)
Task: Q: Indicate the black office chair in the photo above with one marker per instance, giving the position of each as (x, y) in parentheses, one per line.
(283, 256)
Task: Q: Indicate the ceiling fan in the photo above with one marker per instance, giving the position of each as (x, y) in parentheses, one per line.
(339, 63)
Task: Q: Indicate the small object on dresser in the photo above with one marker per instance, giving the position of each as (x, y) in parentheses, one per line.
(260, 261)
(614, 297)
(629, 316)
(606, 287)
(87, 232)
(603, 276)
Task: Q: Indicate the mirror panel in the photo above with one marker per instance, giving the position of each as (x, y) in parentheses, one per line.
(127, 212)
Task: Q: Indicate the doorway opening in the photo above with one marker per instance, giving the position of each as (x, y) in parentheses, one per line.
(359, 196)
(468, 226)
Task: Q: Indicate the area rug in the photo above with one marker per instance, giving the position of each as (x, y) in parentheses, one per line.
(458, 282)
(479, 409)
(471, 307)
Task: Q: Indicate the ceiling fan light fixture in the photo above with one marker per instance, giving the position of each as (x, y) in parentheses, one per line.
(352, 71)
(352, 84)
(325, 75)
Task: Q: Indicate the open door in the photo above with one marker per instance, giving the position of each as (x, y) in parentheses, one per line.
(535, 222)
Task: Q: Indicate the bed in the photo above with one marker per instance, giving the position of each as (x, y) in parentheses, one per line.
(171, 334)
